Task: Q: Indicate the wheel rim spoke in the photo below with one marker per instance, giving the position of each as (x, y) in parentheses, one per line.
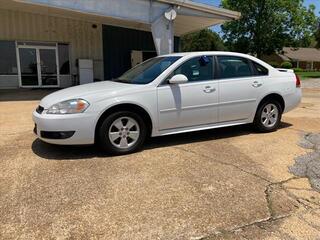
(118, 124)
(272, 120)
(134, 135)
(265, 121)
(124, 142)
(264, 115)
(268, 108)
(114, 136)
(130, 124)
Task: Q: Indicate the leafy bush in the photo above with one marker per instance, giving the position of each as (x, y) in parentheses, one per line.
(274, 64)
(298, 70)
(286, 65)
(203, 40)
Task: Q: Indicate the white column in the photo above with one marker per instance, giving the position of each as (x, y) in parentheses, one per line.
(163, 35)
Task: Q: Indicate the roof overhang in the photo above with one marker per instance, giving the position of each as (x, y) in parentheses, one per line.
(232, 15)
(191, 16)
(194, 16)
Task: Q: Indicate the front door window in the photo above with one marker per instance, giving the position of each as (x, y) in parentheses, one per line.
(197, 69)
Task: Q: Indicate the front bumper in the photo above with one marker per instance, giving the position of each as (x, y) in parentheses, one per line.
(69, 129)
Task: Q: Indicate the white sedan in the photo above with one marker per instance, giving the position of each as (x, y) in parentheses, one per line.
(169, 94)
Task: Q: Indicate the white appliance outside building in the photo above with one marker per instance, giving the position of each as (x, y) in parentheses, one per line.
(85, 71)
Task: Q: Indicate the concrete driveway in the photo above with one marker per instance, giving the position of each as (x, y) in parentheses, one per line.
(220, 184)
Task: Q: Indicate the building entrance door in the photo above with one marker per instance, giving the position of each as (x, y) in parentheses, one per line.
(38, 66)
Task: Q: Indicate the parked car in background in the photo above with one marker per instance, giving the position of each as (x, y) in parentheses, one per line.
(169, 94)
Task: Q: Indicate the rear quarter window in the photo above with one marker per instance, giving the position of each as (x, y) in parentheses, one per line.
(259, 69)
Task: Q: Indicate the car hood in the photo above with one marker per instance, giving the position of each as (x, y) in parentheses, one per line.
(91, 92)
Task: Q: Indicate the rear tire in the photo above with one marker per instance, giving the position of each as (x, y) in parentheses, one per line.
(268, 116)
(121, 133)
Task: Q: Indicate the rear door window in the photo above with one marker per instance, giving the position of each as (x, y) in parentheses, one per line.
(234, 67)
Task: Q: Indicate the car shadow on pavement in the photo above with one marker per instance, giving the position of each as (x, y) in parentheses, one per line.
(206, 135)
(57, 152)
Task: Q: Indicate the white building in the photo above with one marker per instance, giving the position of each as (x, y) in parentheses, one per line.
(42, 40)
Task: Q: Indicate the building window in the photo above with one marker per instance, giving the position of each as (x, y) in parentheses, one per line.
(64, 60)
(8, 58)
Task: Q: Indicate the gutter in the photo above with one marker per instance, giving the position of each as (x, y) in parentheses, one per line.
(204, 8)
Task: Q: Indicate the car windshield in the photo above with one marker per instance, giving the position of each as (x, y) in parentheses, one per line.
(147, 71)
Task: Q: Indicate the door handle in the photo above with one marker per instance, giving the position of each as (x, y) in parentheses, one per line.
(209, 89)
(256, 84)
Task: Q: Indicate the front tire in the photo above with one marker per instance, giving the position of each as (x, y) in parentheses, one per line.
(268, 116)
(122, 133)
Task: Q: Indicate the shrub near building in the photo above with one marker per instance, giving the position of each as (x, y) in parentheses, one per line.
(286, 65)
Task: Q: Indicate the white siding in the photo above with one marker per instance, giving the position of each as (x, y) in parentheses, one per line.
(85, 41)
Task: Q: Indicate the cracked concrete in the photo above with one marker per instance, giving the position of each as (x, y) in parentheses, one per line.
(223, 184)
(311, 141)
(308, 165)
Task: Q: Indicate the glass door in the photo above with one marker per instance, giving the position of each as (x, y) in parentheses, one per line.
(38, 66)
(28, 67)
(48, 67)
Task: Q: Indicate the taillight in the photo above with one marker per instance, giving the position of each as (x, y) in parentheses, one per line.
(298, 82)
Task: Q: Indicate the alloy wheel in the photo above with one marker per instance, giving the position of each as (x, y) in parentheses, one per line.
(124, 132)
(269, 115)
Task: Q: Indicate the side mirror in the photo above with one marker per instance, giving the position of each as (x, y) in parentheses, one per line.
(177, 79)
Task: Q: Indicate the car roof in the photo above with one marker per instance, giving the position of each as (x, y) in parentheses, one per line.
(182, 54)
(236, 54)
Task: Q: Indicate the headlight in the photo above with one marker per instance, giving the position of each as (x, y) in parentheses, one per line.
(69, 107)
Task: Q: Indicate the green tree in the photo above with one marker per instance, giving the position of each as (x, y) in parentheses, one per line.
(204, 40)
(267, 26)
(317, 37)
